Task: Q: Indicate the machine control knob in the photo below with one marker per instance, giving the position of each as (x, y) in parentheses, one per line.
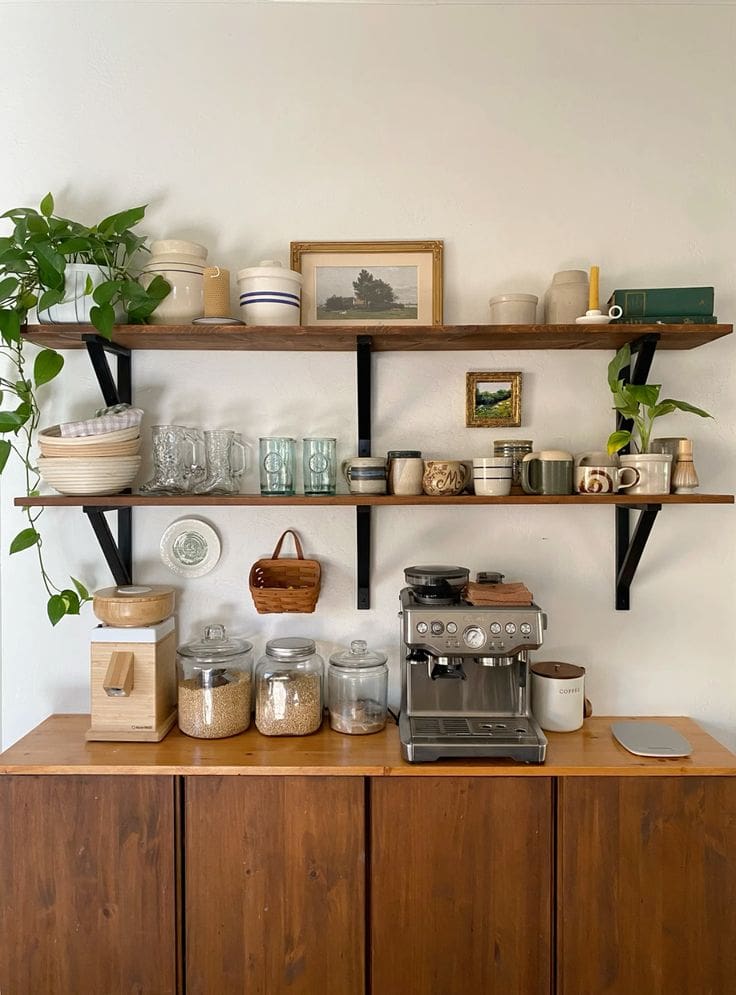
(438, 628)
(510, 628)
(525, 628)
(495, 628)
(451, 628)
(422, 628)
(474, 637)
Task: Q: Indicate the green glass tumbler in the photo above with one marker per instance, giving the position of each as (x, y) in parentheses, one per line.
(320, 466)
(277, 459)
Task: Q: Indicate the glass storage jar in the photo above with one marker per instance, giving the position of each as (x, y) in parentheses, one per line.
(289, 688)
(215, 682)
(357, 690)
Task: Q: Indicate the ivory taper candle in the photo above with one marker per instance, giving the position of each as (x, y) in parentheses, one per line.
(593, 303)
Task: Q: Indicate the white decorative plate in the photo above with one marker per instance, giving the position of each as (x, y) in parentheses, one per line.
(190, 547)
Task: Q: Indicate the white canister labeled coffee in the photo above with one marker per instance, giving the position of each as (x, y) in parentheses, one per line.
(558, 696)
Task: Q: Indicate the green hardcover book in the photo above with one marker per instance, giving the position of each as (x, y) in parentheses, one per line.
(669, 319)
(664, 301)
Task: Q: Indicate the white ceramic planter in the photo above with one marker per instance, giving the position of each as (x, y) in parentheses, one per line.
(182, 265)
(270, 294)
(75, 308)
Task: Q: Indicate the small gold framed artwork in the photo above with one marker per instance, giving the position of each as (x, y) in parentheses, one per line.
(493, 400)
(370, 283)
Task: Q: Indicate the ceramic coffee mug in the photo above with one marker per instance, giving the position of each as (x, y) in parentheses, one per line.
(365, 474)
(405, 475)
(547, 472)
(654, 471)
(604, 479)
(492, 475)
(558, 696)
(444, 478)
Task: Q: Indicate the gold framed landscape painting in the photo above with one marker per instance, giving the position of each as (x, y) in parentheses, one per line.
(370, 283)
(493, 400)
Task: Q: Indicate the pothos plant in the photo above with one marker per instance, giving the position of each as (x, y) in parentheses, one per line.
(640, 403)
(33, 260)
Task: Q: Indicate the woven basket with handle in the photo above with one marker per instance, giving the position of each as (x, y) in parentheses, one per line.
(285, 585)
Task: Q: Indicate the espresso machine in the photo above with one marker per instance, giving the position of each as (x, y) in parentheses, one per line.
(465, 672)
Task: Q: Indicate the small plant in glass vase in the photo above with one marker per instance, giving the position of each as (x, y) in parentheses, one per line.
(34, 261)
(641, 404)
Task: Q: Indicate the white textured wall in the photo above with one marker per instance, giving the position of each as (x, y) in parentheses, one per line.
(529, 138)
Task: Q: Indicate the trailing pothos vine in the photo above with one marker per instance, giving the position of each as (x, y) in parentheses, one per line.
(33, 260)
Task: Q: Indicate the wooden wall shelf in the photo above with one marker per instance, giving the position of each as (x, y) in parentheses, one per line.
(384, 338)
(359, 500)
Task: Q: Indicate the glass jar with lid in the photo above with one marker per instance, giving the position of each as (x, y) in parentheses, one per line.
(214, 685)
(289, 688)
(358, 689)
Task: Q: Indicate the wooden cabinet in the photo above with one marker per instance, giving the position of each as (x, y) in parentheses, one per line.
(461, 885)
(275, 885)
(647, 886)
(87, 890)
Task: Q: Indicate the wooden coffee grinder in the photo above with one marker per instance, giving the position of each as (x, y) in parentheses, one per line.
(133, 664)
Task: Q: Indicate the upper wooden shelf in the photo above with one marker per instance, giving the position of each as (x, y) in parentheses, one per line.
(385, 338)
(352, 500)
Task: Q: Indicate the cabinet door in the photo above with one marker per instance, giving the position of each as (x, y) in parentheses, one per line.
(647, 886)
(461, 879)
(275, 890)
(87, 900)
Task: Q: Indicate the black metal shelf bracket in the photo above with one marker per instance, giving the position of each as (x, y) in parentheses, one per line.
(119, 555)
(629, 548)
(364, 352)
(115, 390)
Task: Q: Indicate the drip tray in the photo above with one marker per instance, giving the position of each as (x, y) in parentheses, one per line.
(484, 727)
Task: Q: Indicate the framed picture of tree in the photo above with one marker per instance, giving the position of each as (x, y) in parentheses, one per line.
(493, 400)
(370, 283)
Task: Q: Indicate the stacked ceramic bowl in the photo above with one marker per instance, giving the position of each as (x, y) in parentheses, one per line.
(106, 463)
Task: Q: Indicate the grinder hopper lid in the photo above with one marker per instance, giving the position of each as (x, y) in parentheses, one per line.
(436, 576)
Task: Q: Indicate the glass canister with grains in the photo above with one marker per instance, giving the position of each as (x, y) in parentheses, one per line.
(289, 698)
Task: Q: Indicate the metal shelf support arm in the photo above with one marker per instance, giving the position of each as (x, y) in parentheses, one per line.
(115, 390)
(364, 350)
(629, 548)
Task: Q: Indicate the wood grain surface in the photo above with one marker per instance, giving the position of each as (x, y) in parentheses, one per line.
(647, 886)
(298, 338)
(275, 886)
(461, 878)
(57, 746)
(353, 500)
(87, 898)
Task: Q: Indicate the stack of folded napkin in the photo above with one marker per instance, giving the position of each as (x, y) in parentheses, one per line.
(487, 595)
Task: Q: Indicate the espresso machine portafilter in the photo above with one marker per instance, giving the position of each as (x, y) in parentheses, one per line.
(465, 672)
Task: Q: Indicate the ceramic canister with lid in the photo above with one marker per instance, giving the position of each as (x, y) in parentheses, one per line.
(513, 309)
(215, 681)
(289, 697)
(182, 264)
(357, 685)
(558, 696)
(270, 294)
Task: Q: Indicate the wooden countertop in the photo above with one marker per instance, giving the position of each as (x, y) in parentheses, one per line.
(58, 746)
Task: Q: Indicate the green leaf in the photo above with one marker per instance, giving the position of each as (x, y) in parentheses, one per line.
(684, 406)
(617, 440)
(620, 361)
(103, 318)
(5, 449)
(8, 286)
(158, 288)
(10, 326)
(81, 589)
(118, 223)
(47, 206)
(88, 286)
(646, 394)
(70, 246)
(105, 292)
(56, 608)
(23, 412)
(37, 226)
(664, 408)
(10, 421)
(51, 265)
(48, 364)
(24, 540)
(71, 601)
(49, 298)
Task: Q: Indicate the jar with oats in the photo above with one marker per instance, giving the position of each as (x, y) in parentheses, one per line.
(214, 685)
(289, 697)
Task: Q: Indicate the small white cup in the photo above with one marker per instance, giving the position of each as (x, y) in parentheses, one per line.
(492, 475)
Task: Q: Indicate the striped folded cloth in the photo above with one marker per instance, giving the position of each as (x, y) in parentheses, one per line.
(498, 594)
(109, 420)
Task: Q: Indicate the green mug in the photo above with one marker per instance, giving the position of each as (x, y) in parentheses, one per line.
(547, 472)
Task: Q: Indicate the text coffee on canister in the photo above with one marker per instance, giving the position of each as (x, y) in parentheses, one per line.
(558, 695)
